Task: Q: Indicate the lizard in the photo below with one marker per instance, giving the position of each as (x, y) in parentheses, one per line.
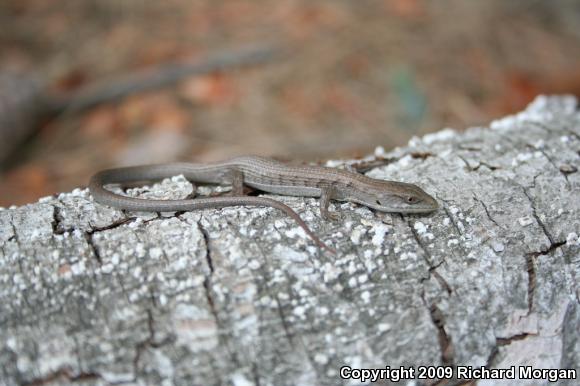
(266, 175)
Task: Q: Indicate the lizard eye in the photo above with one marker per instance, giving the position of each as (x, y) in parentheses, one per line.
(378, 202)
(411, 199)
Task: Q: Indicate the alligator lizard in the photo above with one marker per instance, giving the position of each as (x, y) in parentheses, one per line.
(269, 176)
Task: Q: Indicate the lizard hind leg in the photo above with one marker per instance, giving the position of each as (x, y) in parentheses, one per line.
(237, 183)
(325, 197)
(193, 193)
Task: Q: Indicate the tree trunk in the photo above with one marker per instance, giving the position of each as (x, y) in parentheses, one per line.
(95, 296)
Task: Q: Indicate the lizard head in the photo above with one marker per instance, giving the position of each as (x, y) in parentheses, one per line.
(391, 196)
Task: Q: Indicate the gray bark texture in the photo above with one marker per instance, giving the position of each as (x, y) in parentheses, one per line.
(91, 295)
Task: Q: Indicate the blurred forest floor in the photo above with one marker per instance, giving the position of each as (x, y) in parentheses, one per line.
(357, 74)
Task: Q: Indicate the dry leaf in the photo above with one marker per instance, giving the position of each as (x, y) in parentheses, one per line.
(214, 89)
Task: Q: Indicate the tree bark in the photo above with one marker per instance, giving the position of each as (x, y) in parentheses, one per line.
(95, 296)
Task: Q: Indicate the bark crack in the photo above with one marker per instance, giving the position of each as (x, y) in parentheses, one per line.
(478, 166)
(89, 234)
(57, 220)
(255, 374)
(501, 342)
(427, 256)
(365, 166)
(65, 374)
(220, 325)
(149, 342)
(207, 242)
(445, 342)
(531, 257)
(93, 247)
(551, 161)
(573, 134)
(440, 279)
(209, 298)
(535, 215)
(485, 209)
(531, 269)
(467, 166)
(489, 166)
(446, 209)
(59, 229)
(14, 236)
(421, 155)
(550, 249)
(115, 224)
(289, 336)
(556, 167)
